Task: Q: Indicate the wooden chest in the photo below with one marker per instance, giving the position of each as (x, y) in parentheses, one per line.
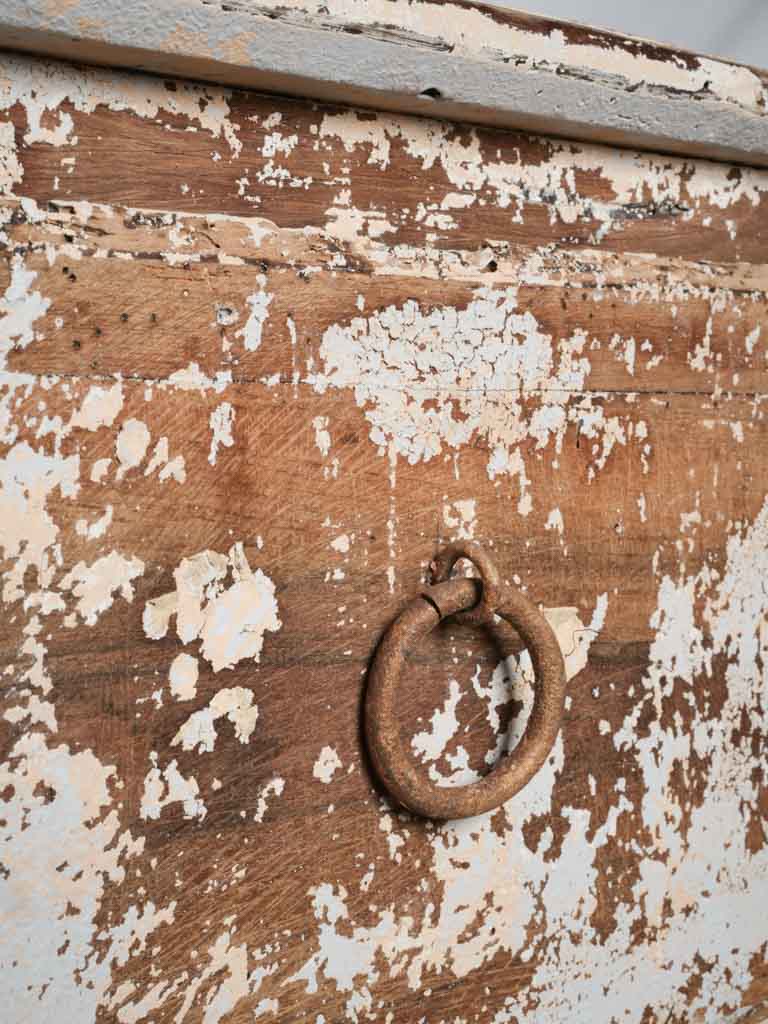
(262, 356)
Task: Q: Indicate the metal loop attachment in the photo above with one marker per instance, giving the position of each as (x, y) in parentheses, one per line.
(390, 752)
(443, 563)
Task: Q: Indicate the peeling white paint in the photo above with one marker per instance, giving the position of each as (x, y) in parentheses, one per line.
(443, 378)
(234, 703)
(131, 445)
(430, 382)
(100, 408)
(230, 621)
(183, 675)
(327, 764)
(96, 529)
(460, 518)
(96, 585)
(50, 969)
(692, 882)
(270, 789)
(41, 88)
(259, 302)
(167, 787)
(222, 421)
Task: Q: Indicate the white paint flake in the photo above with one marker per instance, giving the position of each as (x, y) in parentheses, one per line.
(460, 518)
(100, 408)
(95, 586)
(166, 467)
(555, 521)
(99, 470)
(259, 302)
(431, 743)
(233, 703)
(322, 436)
(752, 339)
(182, 676)
(326, 765)
(192, 378)
(131, 445)
(96, 529)
(272, 788)
(11, 171)
(229, 620)
(222, 421)
(341, 544)
(167, 787)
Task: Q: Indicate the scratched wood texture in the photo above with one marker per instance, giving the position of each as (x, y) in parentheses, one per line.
(315, 344)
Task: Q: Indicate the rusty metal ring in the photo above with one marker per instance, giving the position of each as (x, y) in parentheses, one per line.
(443, 563)
(391, 758)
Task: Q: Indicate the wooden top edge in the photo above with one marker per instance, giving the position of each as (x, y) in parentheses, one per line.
(452, 59)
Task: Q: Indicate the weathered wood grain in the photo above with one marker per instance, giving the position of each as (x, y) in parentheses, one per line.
(186, 370)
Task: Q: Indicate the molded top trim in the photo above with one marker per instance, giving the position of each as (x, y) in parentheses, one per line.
(452, 59)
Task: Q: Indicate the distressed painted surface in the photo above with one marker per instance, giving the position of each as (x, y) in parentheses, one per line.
(259, 359)
(454, 59)
(503, 35)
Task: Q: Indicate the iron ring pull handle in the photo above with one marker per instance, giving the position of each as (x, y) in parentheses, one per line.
(389, 753)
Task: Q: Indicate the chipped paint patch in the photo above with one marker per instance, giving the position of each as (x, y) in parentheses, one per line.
(182, 676)
(95, 586)
(131, 445)
(322, 436)
(100, 408)
(444, 378)
(166, 467)
(460, 518)
(254, 326)
(11, 171)
(55, 792)
(96, 529)
(192, 378)
(234, 703)
(270, 789)
(327, 764)
(167, 787)
(222, 421)
(229, 620)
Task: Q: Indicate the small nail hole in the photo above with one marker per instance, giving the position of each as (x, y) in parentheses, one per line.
(431, 93)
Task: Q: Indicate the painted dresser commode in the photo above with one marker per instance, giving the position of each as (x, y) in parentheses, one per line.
(301, 303)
